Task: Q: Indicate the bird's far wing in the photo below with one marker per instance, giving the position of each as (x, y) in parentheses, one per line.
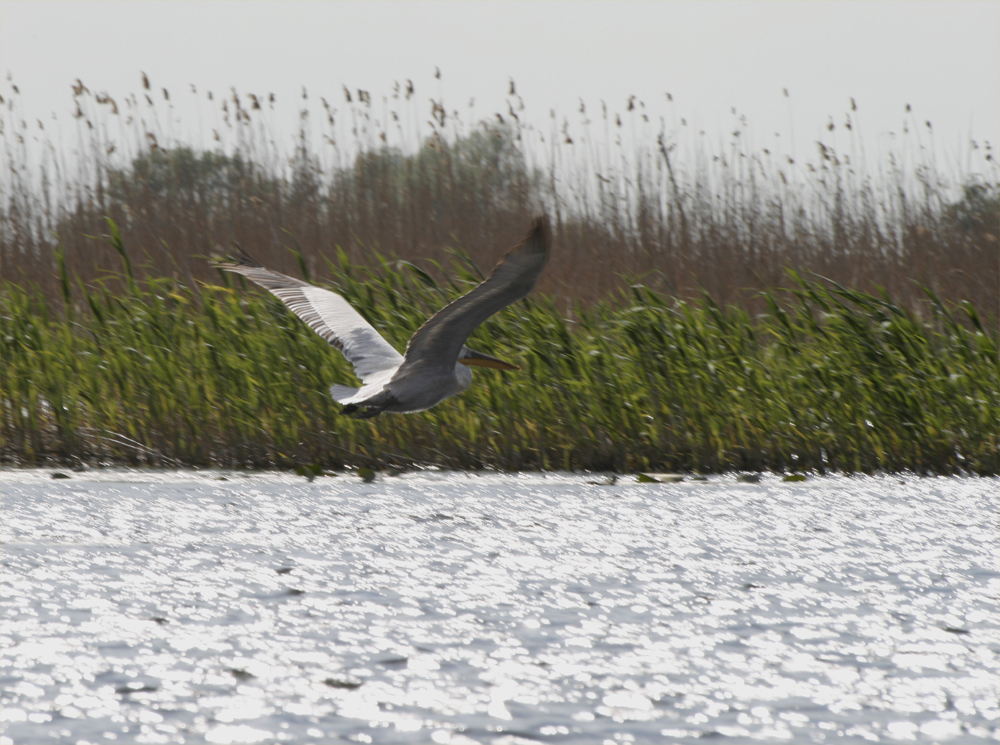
(438, 342)
(326, 313)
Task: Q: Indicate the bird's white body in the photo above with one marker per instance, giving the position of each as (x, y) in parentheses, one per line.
(412, 393)
(435, 365)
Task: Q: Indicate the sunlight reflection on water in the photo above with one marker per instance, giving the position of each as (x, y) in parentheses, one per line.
(453, 608)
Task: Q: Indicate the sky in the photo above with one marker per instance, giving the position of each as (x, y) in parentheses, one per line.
(941, 58)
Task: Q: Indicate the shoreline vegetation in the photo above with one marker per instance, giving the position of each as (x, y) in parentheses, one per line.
(702, 312)
(828, 379)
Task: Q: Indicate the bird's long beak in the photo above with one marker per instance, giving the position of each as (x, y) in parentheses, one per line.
(484, 360)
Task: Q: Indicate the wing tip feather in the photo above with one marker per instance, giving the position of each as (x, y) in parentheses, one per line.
(537, 240)
(235, 257)
(539, 235)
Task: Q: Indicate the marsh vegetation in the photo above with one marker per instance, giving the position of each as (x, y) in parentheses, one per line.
(703, 310)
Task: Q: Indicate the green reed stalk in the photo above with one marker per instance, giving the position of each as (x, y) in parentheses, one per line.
(828, 377)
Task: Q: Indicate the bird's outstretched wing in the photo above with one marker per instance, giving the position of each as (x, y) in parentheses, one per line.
(325, 312)
(438, 342)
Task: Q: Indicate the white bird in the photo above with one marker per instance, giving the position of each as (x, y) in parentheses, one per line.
(434, 366)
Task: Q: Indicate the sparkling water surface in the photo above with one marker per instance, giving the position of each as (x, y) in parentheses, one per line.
(190, 607)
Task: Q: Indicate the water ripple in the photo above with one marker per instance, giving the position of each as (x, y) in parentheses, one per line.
(177, 607)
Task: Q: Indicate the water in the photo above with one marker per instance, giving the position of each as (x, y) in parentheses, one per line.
(453, 608)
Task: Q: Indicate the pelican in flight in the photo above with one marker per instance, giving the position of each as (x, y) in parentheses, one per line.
(435, 364)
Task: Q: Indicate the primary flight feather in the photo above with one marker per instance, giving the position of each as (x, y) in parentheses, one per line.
(435, 364)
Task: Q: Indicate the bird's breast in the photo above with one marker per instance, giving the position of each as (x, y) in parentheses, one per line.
(420, 390)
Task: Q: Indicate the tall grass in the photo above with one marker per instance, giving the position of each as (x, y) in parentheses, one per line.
(666, 333)
(164, 373)
(411, 179)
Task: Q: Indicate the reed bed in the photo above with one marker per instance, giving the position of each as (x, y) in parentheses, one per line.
(414, 179)
(673, 328)
(166, 374)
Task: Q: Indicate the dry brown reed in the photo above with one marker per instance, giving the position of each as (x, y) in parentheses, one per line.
(640, 203)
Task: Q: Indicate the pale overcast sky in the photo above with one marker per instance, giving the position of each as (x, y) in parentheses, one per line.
(943, 58)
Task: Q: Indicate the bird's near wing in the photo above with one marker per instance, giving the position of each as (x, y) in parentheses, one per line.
(438, 342)
(326, 313)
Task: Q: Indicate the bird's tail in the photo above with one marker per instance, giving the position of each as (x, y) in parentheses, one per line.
(341, 393)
